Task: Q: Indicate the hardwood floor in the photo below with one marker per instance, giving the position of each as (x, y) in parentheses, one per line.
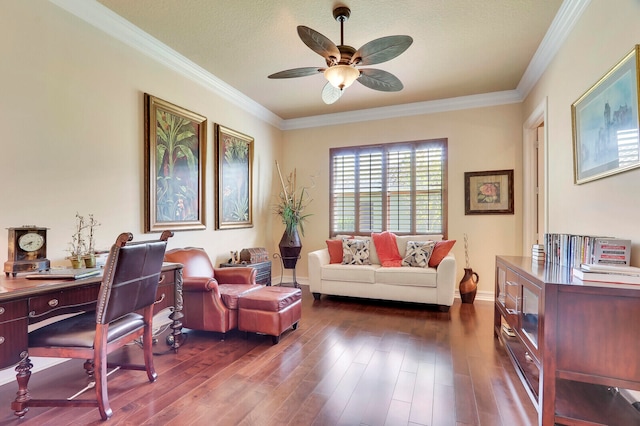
(350, 362)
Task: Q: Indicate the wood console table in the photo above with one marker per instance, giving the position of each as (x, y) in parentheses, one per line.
(24, 302)
(574, 343)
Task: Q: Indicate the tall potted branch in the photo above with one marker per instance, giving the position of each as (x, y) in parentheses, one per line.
(291, 204)
(90, 255)
(78, 245)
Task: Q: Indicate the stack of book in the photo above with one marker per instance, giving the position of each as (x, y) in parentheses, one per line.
(572, 250)
(537, 253)
(607, 273)
(506, 329)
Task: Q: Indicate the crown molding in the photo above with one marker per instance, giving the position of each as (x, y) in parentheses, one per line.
(566, 18)
(119, 28)
(406, 110)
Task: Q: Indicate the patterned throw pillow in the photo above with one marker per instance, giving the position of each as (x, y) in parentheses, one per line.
(355, 252)
(418, 253)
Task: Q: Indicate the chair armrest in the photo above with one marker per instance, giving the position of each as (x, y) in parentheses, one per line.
(199, 284)
(316, 259)
(446, 280)
(238, 275)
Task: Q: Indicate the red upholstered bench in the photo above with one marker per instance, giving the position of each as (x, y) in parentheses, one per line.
(270, 310)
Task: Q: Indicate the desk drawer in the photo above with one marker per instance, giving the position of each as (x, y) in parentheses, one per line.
(13, 331)
(62, 302)
(165, 296)
(10, 311)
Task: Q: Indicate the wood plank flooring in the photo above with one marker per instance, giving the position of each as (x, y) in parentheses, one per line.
(350, 362)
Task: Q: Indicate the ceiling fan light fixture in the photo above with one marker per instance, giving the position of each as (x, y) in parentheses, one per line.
(341, 76)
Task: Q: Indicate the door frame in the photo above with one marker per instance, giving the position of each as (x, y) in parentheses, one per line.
(529, 137)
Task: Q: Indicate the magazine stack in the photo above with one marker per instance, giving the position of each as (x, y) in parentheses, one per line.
(592, 272)
(537, 253)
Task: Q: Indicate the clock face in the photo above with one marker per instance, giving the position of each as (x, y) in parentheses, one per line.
(31, 242)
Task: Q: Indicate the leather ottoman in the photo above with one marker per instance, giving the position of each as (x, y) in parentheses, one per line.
(270, 310)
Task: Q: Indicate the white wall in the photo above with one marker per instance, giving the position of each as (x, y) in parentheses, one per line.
(606, 32)
(478, 140)
(72, 141)
(73, 136)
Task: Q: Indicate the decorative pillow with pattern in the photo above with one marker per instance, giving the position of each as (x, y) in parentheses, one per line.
(355, 252)
(418, 253)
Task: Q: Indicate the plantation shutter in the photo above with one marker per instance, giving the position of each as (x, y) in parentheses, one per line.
(343, 194)
(370, 191)
(396, 187)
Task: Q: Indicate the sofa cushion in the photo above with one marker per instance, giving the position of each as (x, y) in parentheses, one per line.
(355, 252)
(335, 251)
(440, 251)
(418, 253)
(406, 276)
(349, 273)
(402, 240)
(385, 243)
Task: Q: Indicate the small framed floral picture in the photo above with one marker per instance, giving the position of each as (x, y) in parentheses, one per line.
(488, 192)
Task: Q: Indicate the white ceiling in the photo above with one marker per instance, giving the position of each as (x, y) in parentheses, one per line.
(460, 47)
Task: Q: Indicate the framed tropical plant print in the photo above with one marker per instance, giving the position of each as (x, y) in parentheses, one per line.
(234, 154)
(175, 143)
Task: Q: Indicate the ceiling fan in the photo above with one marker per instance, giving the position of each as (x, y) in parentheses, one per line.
(342, 60)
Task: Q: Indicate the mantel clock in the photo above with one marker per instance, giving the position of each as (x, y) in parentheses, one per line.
(27, 250)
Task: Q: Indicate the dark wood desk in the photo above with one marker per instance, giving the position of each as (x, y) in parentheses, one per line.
(24, 302)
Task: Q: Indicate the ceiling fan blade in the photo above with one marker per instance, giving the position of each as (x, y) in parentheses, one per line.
(319, 44)
(381, 50)
(330, 94)
(297, 72)
(379, 80)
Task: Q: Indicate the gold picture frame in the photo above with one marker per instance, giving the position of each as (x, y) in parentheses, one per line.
(234, 157)
(605, 123)
(489, 192)
(175, 152)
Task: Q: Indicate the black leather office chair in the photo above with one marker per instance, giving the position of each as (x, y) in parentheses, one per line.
(129, 284)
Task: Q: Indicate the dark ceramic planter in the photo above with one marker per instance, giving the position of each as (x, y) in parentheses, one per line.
(290, 247)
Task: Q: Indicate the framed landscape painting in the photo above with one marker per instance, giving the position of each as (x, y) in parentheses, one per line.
(175, 141)
(605, 124)
(234, 152)
(488, 192)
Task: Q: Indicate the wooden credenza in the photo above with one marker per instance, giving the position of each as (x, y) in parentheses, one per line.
(24, 302)
(575, 343)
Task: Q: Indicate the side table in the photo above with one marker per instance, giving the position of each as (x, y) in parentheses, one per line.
(263, 270)
(283, 267)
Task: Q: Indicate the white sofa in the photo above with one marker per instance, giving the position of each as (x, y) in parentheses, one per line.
(407, 284)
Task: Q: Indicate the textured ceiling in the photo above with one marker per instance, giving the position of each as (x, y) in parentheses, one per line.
(460, 48)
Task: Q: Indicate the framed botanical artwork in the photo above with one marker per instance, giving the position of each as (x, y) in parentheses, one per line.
(488, 192)
(234, 154)
(175, 142)
(605, 123)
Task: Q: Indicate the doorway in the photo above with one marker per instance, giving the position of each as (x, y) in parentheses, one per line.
(535, 180)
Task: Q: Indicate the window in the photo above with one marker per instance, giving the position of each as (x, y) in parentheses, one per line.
(398, 187)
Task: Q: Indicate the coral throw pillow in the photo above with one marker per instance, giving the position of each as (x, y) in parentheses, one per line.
(441, 249)
(387, 248)
(335, 251)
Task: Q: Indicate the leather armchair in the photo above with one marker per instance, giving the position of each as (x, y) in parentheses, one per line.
(210, 295)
